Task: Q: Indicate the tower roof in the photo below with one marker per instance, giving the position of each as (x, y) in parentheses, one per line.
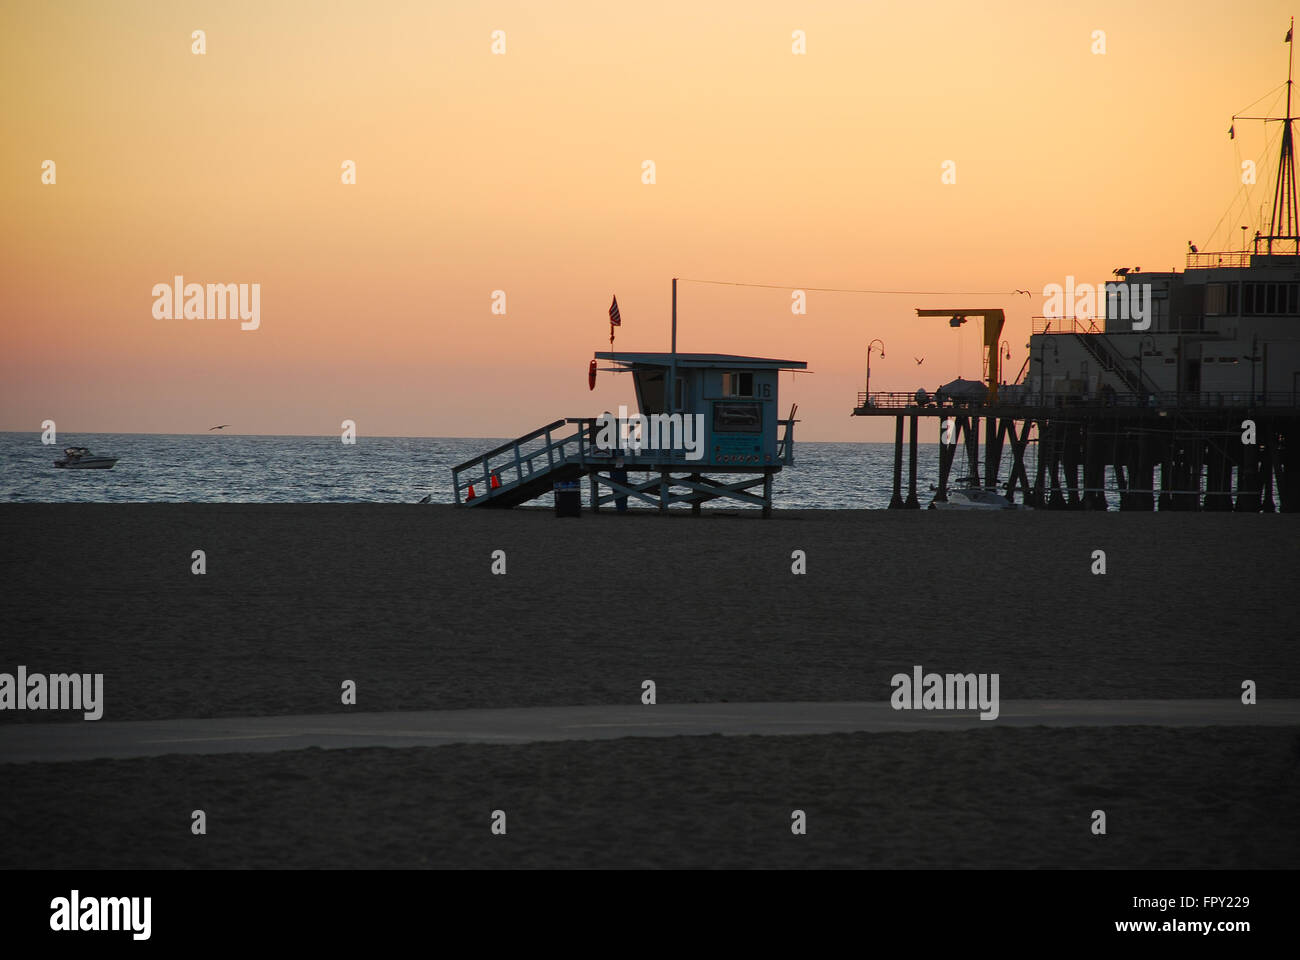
(701, 360)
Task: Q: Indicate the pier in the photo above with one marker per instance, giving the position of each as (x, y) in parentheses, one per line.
(1195, 374)
(1063, 446)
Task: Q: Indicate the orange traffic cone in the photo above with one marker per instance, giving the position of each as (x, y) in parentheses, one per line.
(496, 481)
(471, 492)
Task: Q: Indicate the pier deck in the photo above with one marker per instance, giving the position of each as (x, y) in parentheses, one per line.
(1198, 441)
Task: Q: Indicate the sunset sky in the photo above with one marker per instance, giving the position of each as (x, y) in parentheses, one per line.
(522, 172)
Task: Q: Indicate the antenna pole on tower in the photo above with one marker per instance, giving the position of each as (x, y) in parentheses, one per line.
(670, 400)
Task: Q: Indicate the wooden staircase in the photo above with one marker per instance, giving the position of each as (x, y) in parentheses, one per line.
(527, 467)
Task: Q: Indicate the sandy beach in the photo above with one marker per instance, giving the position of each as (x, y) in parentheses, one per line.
(1014, 798)
(402, 600)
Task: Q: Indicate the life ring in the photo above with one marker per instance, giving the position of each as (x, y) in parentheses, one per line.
(591, 376)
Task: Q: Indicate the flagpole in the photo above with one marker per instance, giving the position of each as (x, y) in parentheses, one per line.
(671, 405)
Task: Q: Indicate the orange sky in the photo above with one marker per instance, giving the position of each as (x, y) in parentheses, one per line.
(522, 172)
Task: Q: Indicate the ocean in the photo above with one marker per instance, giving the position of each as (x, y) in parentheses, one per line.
(229, 468)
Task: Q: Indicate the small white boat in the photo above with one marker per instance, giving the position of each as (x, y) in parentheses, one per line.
(80, 458)
(976, 498)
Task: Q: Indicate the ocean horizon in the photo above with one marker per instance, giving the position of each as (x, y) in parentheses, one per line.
(253, 468)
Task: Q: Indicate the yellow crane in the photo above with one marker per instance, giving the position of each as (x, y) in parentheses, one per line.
(993, 320)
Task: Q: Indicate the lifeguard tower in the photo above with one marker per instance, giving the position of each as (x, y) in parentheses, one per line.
(707, 427)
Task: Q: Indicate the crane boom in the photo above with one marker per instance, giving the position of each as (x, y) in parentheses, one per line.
(993, 321)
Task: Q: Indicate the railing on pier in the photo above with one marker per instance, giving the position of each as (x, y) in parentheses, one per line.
(886, 400)
(1203, 401)
(1064, 325)
(1221, 258)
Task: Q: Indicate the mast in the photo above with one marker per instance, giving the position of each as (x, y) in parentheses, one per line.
(1284, 223)
(1284, 191)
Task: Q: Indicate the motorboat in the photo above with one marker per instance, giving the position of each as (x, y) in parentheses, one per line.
(80, 458)
(971, 497)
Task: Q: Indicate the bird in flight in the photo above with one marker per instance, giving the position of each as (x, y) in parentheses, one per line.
(1025, 292)
(218, 427)
(919, 360)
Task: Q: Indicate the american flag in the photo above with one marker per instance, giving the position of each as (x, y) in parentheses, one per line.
(614, 319)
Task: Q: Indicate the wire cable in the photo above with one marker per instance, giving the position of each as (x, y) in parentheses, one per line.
(909, 293)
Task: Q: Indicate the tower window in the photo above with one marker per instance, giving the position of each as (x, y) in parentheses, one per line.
(738, 384)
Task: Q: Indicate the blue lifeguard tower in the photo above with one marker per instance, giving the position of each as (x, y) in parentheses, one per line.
(707, 427)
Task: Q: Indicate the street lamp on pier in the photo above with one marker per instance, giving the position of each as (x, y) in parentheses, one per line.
(872, 346)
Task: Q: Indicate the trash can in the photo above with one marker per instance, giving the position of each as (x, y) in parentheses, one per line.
(568, 499)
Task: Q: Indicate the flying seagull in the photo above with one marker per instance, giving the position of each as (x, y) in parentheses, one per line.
(218, 427)
(1025, 292)
(919, 360)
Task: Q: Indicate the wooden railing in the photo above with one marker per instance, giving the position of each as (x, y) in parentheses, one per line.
(1063, 325)
(785, 443)
(535, 454)
(1204, 400)
(1223, 258)
(514, 462)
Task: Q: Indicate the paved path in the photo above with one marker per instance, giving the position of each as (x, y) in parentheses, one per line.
(87, 740)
